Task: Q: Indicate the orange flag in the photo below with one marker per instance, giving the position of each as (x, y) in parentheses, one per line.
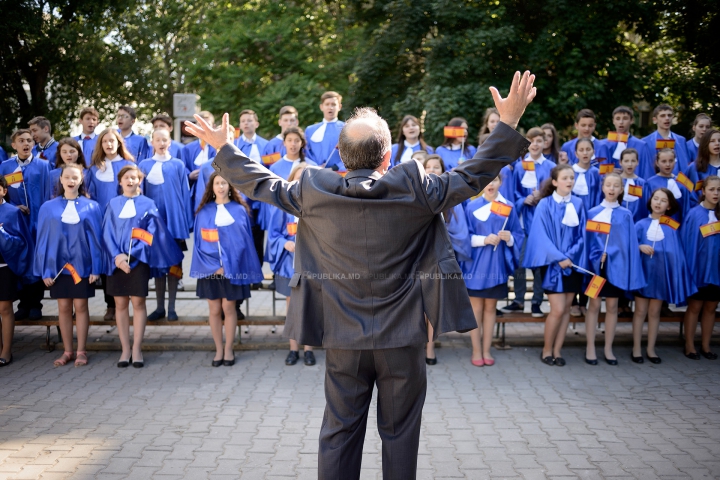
(454, 132)
(210, 234)
(617, 137)
(665, 220)
(142, 235)
(635, 190)
(73, 273)
(686, 182)
(606, 168)
(710, 229)
(13, 178)
(662, 143)
(176, 271)
(501, 209)
(342, 174)
(595, 286)
(271, 158)
(597, 227)
(291, 228)
(528, 165)
(698, 185)
(237, 133)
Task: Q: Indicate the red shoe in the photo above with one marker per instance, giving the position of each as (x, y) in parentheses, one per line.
(478, 363)
(489, 362)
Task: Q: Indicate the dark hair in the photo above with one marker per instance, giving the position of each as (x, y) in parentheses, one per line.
(88, 111)
(624, 109)
(535, 132)
(70, 142)
(456, 122)
(703, 157)
(209, 195)
(98, 156)
(129, 110)
(81, 189)
(330, 94)
(288, 110)
(247, 111)
(584, 113)
(628, 151)
(584, 140)
(166, 119)
(18, 132)
(484, 129)
(657, 156)
(299, 132)
(41, 122)
(673, 205)
(400, 140)
(555, 145)
(449, 213)
(366, 150)
(616, 175)
(708, 179)
(3, 182)
(661, 108)
(128, 168)
(547, 188)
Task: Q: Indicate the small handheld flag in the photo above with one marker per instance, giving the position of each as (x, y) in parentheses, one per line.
(237, 133)
(13, 178)
(597, 227)
(698, 185)
(292, 228)
(176, 271)
(142, 235)
(596, 284)
(342, 174)
(454, 132)
(635, 190)
(660, 144)
(686, 182)
(606, 168)
(665, 220)
(528, 165)
(710, 229)
(501, 209)
(271, 158)
(73, 273)
(210, 235)
(617, 137)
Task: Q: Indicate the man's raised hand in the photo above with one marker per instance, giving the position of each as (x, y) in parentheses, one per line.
(522, 92)
(218, 137)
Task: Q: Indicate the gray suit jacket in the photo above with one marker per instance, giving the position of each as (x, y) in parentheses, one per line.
(373, 255)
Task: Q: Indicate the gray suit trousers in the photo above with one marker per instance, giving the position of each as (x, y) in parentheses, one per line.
(349, 379)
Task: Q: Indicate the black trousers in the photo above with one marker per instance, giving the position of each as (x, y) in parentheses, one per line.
(349, 379)
(31, 296)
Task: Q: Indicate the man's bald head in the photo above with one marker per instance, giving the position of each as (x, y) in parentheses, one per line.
(364, 140)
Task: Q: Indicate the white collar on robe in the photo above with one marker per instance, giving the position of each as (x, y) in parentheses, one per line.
(107, 174)
(654, 232)
(70, 214)
(581, 186)
(539, 161)
(319, 134)
(203, 155)
(331, 121)
(711, 216)
(222, 216)
(529, 178)
(605, 214)
(626, 196)
(279, 136)
(249, 140)
(128, 210)
(453, 146)
(483, 213)
(673, 187)
(560, 199)
(162, 158)
(411, 145)
(288, 160)
(26, 162)
(408, 151)
(570, 217)
(697, 145)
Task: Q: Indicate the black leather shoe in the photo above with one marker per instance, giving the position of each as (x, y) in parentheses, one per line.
(156, 315)
(611, 362)
(124, 363)
(431, 361)
(591, 362)
(637, 359)
(692, 355)
(547, 360)
(217, 363)
(560, 361)
(709, 355)
(309, 358)
(5, 363)
(139, 364)
(292, 358)
(229, 363)
(654, 360)
(172, 316)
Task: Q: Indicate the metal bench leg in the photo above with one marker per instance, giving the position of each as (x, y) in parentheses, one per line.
(497, 330)
(247, 314)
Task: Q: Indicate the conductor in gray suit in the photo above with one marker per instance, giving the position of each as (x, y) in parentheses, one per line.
(372, 259)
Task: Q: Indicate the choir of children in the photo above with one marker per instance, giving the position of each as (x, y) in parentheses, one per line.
(617, 219)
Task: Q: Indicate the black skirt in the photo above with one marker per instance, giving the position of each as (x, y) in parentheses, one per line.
(572, 283)
(133, 284)
(64, 287)
(8, 285)
(217, 287)
(498, 292)
(609, 290)
(708, 293)
(182, 245)
(282, 285)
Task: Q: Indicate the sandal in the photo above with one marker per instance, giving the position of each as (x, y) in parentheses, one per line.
(81, 358)
(62, 361)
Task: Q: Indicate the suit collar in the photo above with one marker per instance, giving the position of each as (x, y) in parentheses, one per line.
(364, 173)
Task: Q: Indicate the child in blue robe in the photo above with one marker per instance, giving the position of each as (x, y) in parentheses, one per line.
(87, 139)
(135, 144)
(664, 266)
(700, 125)
(585, 126)
(700, 234)
(557, 244)
(665, 164)
(69, 257)
(323, 137)
(224, 261)
(496, 238)
(455, 151)
(250, 143)
(707, 162)
(663, 118)
(633, 197)
(45, 145)
(615, 256)
(109, 157)
(16, 248)
(166, 184)
(165, 122)
(69, 151)
(288, 117)
(130, 260)
(623, 118)
(409, 140)
(587, 177)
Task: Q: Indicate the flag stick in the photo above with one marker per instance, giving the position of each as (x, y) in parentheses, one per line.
(583, 270)
(129, 248)
(219, 251)
(653, 245)
(56, 276)
(605, 250)
(27, 204)
(503, 228)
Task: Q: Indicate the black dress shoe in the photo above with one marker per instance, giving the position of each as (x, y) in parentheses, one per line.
(229, 363)
(431, 361)
(124, 363)
(637, 359)
(5, 363)
(654, 360)
(692, 355)
(292, 358)
(156, 315)
(547, 360)
(611, 362)
(499, 313)
(709, 355)
(560, 361)
(217, 363)
(591, 362)
(139, 364)
(309, 358)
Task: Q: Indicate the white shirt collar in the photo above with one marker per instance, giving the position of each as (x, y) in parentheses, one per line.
(162, 158)
(560, 199)
(24, 163)
(578, 169)
(279, 136)
(330, 121)
(117, 158)
(249, 140)
(82, 136)
(697, 145)
(288, 160)
(453, 146)
(607, 204)
(411, 145)
(539, 161)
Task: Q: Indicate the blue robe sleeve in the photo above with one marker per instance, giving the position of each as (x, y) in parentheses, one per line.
(278, 236)
(16, 242)
(541, 247)
(458, 231)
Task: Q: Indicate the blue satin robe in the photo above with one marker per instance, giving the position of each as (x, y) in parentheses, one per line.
(655, 182)
(458, 230)
(599, 146)
(507, 189)
(542, 172)
(281, 260)
(320, 152)
(16, 242)
(638, 207)
(701, 253)
(667, 274)
(695, 176)
(137, 145)
(3, 155)
(36, 179)
(171, 197)
(59, 243)
(550, 242)
(49, 154)
(160, 256)
(100, 191)
(246, 146)
(393, 153)
(88, 146)
(594, 183)
(487, 268)
(239, 258)
(692, 150)
(453, 158)
(190, 154)
(646, 158)
(681, 153)
(624, 267)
